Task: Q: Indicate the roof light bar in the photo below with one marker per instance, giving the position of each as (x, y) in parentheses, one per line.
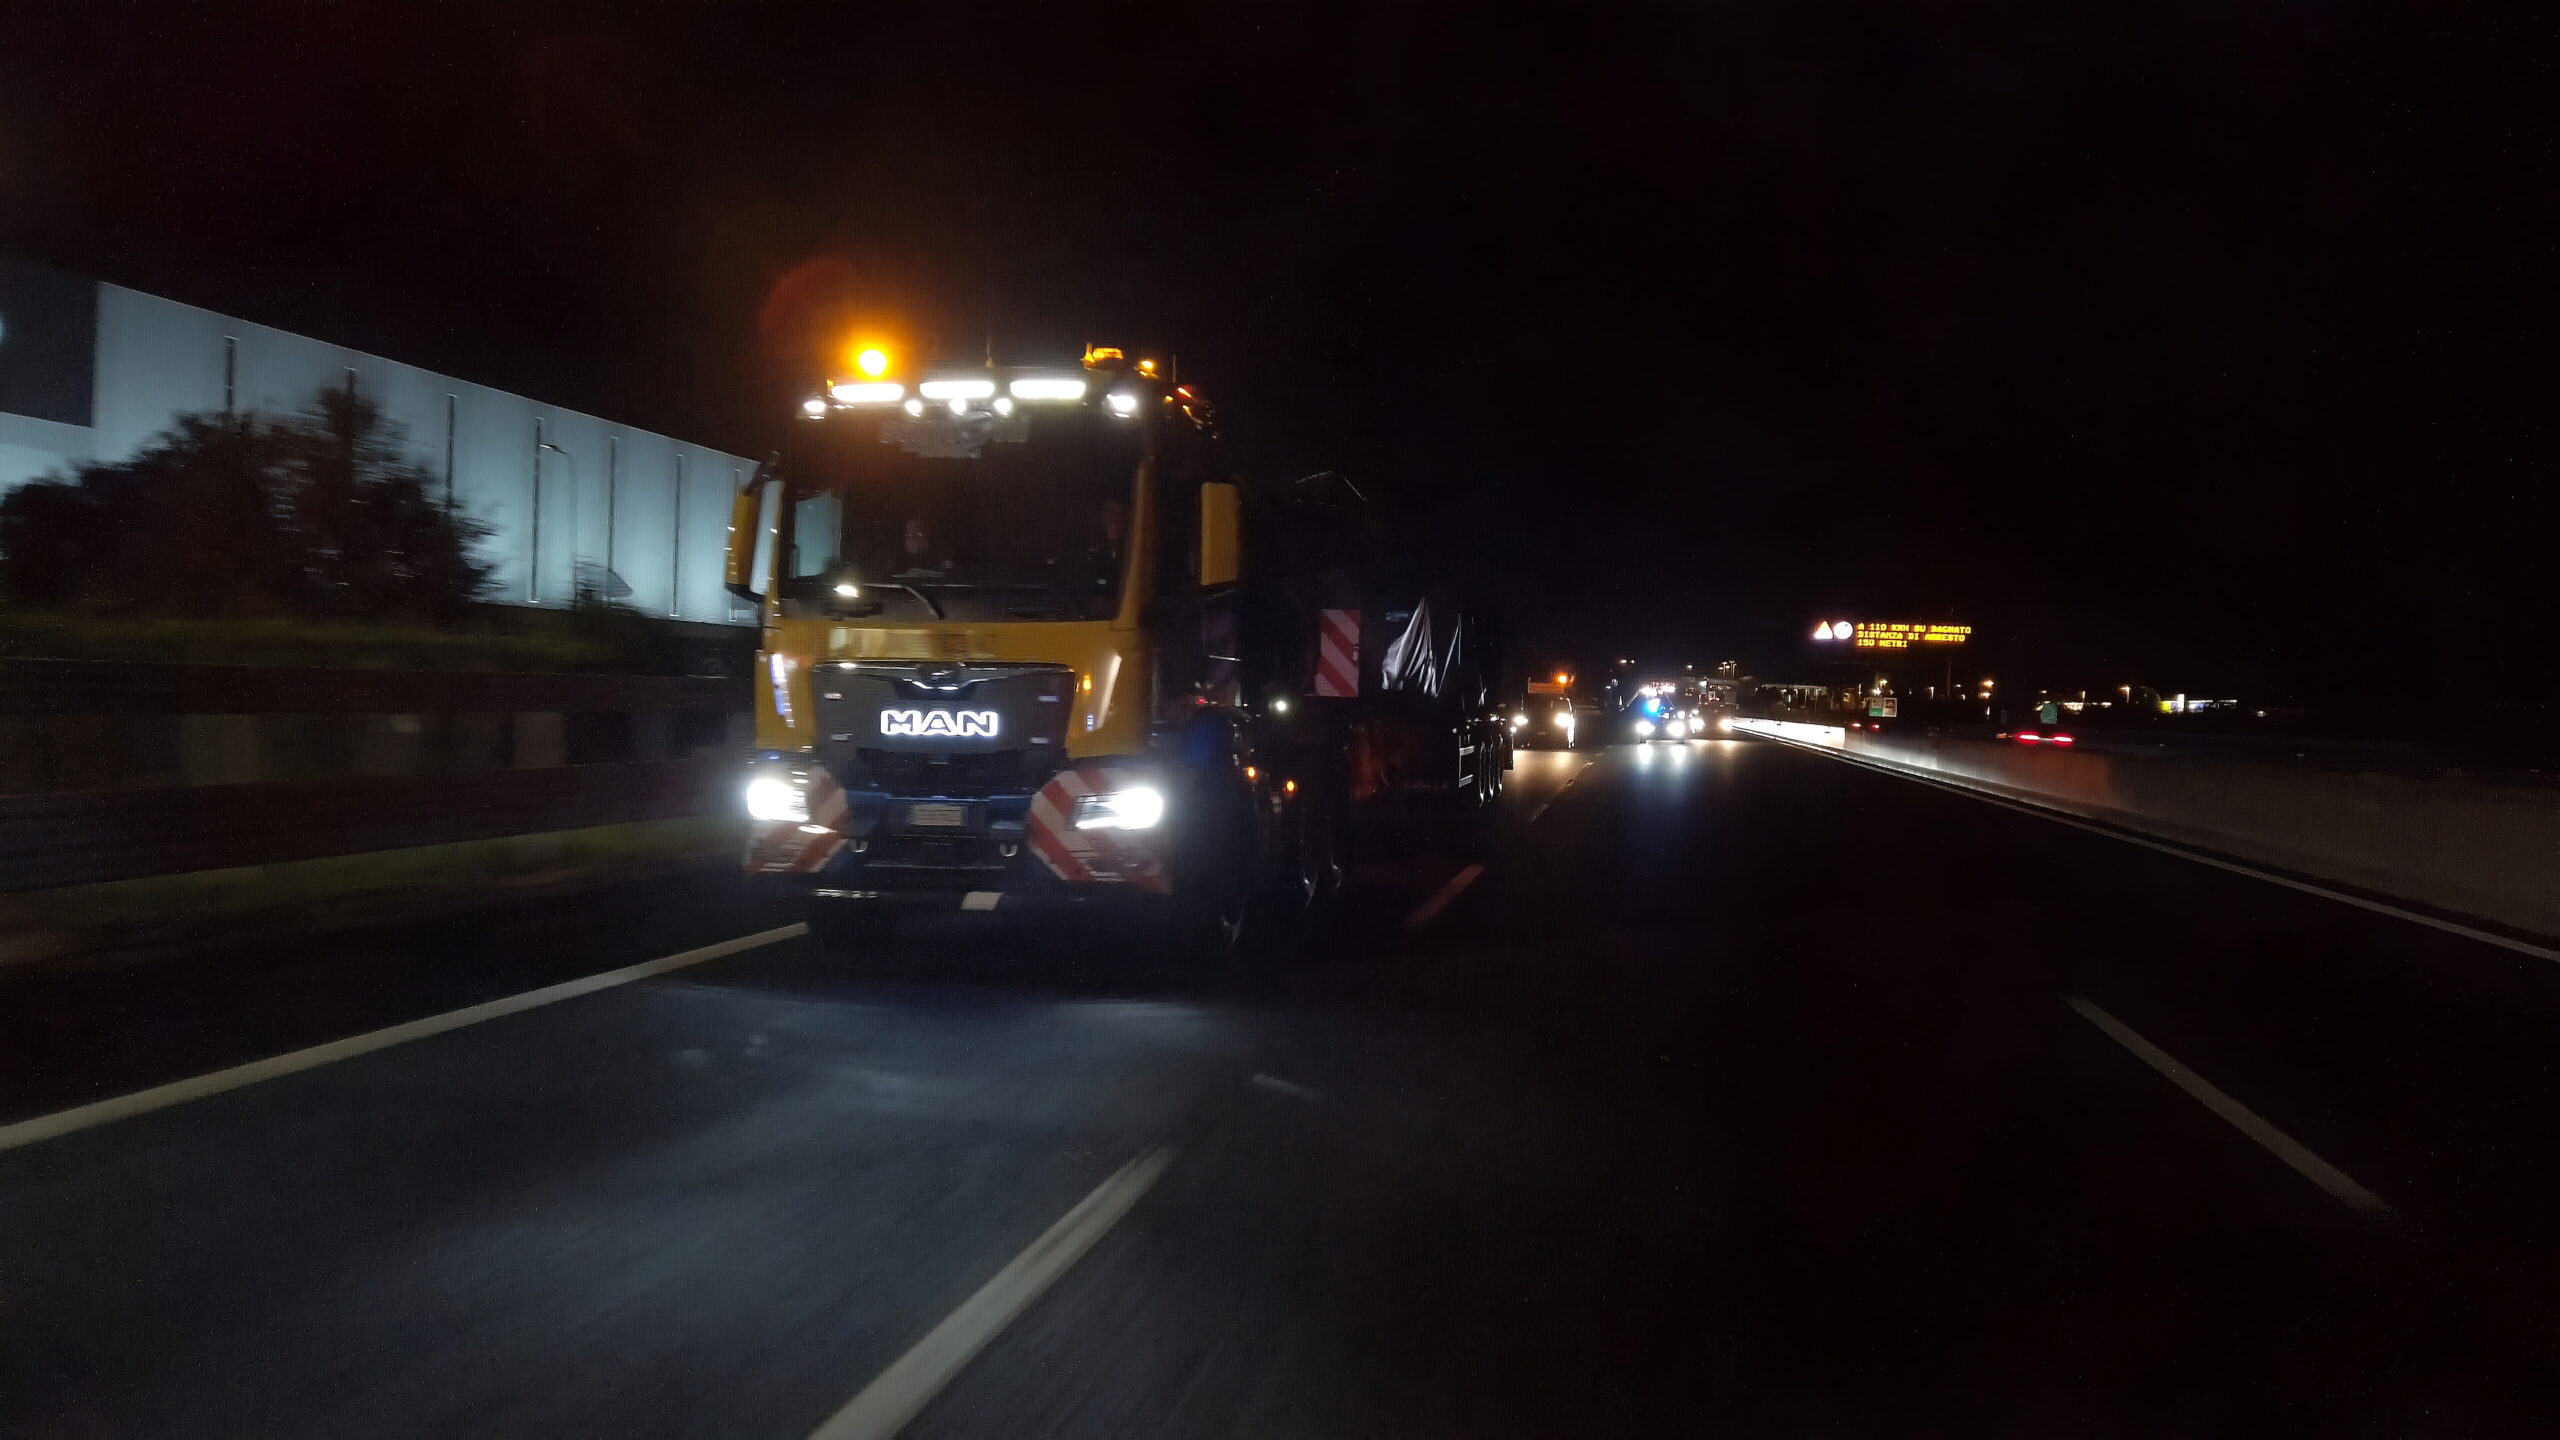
(1045, 389)
(873, 392)
(956, 389)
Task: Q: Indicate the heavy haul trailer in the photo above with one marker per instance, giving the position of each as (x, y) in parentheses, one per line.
(1014, 660)
(1378, 679)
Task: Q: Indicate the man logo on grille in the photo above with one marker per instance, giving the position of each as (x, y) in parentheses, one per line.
(961, 724)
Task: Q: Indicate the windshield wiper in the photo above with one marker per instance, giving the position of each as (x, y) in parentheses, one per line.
(917, 591)
(1067, 604)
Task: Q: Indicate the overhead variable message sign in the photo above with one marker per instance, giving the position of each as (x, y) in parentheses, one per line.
(1891, 634)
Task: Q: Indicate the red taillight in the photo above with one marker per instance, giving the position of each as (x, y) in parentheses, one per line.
(2028, 737)
(2061, 739)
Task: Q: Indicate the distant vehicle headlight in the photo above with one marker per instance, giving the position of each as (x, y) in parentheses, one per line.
(1519, 720)
(1137, 808)
(1644, 727)
(776, 801)
(1677, 729)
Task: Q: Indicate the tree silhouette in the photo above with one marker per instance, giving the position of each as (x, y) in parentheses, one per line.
(317, 515)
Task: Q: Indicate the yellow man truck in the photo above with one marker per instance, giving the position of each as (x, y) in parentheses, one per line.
(1004, 661)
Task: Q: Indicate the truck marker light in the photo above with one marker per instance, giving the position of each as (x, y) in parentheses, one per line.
(780, 667)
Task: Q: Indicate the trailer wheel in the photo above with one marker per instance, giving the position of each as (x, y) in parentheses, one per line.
(1206, 929)
(1315, 867)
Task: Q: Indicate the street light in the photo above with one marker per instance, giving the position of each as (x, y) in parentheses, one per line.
(541, 445)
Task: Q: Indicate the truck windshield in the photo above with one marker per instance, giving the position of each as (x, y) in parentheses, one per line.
(985, 518)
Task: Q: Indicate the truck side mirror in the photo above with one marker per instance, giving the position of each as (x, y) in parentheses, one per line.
(1221, 539)
(755, 525)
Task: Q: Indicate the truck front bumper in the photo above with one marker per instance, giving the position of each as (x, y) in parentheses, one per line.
(969, 853)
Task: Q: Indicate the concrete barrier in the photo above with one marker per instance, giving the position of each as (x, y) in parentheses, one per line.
(2448, 843)
(1830, 737)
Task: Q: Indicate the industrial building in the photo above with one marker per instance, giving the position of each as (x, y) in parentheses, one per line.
(91, 372)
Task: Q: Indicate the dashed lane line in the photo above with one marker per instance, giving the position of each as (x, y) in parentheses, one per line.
(1559, 793)
(179, 1092)
(883, 1407)
(2284, 1147)
(1429, 910)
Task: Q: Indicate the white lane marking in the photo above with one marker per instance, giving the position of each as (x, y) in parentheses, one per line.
(179, 1092)
(2285, 1148)
(1429, 910)
(1290, 1088)
(884, 1406)
(981, 899)
(2063, 817)
(1541, 810)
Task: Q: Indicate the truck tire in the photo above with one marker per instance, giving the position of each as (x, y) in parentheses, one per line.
(1311, 882)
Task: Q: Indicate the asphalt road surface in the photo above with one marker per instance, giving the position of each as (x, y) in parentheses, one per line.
(1742, 1091)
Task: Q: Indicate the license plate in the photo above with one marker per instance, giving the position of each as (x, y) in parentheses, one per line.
(937, 814)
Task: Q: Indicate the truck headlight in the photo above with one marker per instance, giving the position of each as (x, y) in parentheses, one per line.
(1137, 808)
(775, 800)
(1644, 727)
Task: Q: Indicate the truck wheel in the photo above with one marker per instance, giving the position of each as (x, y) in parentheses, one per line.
(1314, 876)
(1206, 929)
(849, 927)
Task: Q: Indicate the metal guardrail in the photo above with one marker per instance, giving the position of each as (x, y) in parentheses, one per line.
(83, 838)
(107, 687)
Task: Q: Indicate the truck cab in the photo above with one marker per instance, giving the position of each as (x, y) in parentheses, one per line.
(997, 665)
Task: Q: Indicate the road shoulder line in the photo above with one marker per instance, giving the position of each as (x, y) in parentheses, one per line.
(179, 1092)
(2129, 836)
(883, 1407)
(2248, 1122)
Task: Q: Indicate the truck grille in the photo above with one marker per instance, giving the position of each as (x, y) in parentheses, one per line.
(996, 772)
(1025, 707)
(914, 862)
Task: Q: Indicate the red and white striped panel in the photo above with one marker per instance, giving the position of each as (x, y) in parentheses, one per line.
(1338, 652)
(784, 848)
(1089, 857)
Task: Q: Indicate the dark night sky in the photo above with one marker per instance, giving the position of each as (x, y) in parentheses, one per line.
(2208, 344)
